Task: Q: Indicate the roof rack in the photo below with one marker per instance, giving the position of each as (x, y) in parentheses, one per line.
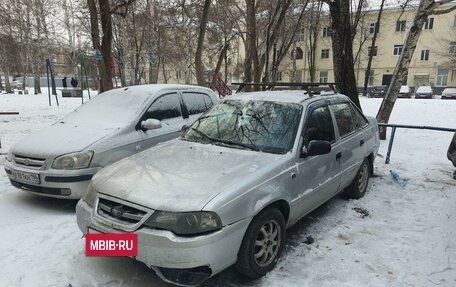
(269, 86)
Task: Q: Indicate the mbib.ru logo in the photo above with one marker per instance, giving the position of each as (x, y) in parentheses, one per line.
(112, 244)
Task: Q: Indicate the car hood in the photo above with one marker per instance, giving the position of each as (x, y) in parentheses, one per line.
(179, 175)
(61, 138)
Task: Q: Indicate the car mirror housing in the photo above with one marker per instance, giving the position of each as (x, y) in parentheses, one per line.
(316, 147)
(151, 124)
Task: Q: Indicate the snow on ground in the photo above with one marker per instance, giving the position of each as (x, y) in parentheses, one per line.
(408, 238)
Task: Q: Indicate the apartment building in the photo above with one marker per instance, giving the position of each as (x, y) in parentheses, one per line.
(433, 63)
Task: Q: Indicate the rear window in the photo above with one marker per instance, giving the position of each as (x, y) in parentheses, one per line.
(424, 89)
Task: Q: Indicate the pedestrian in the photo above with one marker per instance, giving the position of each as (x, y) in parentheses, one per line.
(451, 154)
(64, 82)
(74, 82)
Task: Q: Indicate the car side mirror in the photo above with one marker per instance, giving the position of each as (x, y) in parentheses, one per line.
(316, 147)
(150, 124)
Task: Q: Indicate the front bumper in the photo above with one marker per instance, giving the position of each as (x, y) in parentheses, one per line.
(69, 184)
(171, 255)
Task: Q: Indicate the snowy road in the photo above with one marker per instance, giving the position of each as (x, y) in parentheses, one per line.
(408, 238)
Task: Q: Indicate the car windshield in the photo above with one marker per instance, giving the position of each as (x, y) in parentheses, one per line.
(256, 125)
(113, 108)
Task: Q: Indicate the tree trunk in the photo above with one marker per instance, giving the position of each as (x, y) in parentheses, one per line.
(342, 44)
(371, 56)
(8, 89)
(199, 66)
(425, 8)
(106, 64)
(250, 42)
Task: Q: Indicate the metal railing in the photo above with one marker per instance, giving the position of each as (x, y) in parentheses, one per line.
(393, 132)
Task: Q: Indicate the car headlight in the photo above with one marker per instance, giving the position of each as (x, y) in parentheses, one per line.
(90, 195)
(9, 157)
(73, 161)
(185, 223)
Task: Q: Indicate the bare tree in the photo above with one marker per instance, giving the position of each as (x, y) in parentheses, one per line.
(372, 47)
(199, 66)
(100, 15)
(343, 27)
(424, 9)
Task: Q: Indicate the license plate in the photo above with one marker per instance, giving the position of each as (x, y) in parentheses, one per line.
(25, 177)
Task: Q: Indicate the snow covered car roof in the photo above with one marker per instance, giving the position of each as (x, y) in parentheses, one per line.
(276, 96)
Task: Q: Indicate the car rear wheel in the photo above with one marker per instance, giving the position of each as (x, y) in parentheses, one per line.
(262, 244)
(358, 187)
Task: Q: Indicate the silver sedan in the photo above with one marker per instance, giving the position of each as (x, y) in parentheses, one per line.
(225, 192)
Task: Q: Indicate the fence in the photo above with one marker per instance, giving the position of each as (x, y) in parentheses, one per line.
(393, 132)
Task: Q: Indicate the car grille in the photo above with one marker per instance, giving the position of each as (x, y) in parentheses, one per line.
(32, 162)
(119, 212)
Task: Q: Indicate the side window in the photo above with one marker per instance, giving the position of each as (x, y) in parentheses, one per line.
(345, 119)
(320, 126)
(196, 103)
(165, 107)
(360, 121)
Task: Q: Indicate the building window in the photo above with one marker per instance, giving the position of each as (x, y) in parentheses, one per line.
(279, 76)
(325, 53)
(454, 21)
(323, 76)
(400, 26)
(374, 28)
(298, 54)
(300, 35)
(326, 31)
(372, 51)
(442, 77)
(429, 24)
(452, 49)
(424, 55)
(397, 50)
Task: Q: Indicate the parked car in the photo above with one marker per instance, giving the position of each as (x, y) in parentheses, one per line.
(225, 191)
(60, 160)
(378, 92)
(451, 153)
(405, 92)
(424, 92)
(449, 93)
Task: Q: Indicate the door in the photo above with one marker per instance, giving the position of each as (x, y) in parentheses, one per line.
(317, 175)
(167, 109)
(351, 140)
(195, 104)
(386, 80)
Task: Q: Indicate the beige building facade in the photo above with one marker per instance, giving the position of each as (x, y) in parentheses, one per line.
(433, 62)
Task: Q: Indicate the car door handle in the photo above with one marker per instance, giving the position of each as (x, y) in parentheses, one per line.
(361, 142)
(338, 156)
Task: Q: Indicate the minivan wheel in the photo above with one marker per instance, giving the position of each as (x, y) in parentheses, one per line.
(358, 187)
(262, 244)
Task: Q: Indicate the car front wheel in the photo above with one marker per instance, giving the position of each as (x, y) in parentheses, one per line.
(262, 244)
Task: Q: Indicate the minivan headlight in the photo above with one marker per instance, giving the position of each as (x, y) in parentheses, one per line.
(73, 160)
(185, 223)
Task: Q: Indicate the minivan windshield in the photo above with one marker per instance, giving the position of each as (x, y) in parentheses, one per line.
(256, 125)
(114, 108)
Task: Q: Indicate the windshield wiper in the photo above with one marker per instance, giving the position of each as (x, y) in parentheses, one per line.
(205, 136)
(226, 142)
(244, 145)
